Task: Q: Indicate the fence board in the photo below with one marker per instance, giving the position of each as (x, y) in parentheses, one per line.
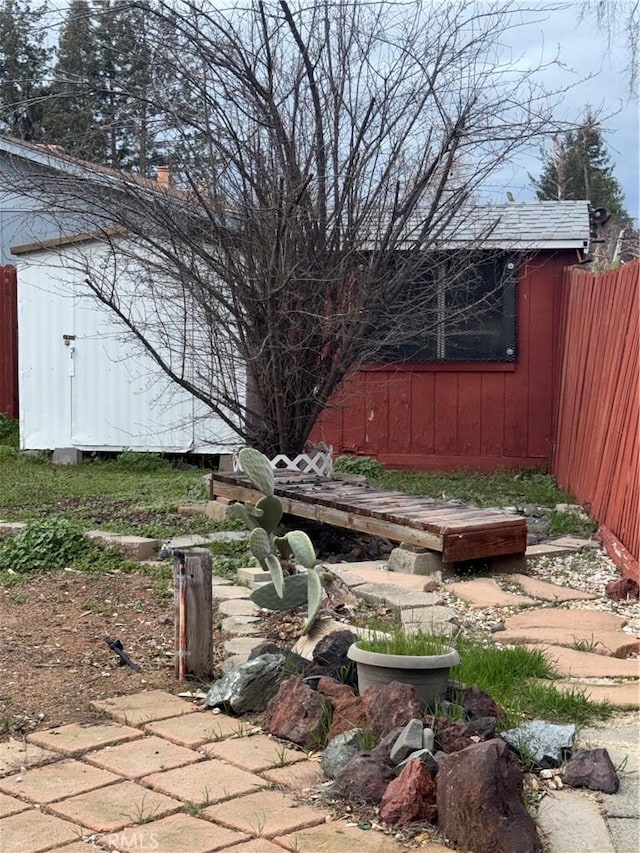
(596, 455)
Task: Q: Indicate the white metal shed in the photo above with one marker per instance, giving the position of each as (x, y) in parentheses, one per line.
(83, 382)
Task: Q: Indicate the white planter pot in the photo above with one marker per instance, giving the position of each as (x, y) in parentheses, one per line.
(429, 674)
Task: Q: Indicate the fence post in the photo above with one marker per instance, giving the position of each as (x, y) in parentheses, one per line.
(193, 615)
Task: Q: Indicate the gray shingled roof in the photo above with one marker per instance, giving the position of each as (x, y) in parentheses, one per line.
(523, 225)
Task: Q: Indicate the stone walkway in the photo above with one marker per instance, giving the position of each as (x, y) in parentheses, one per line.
(161, 775)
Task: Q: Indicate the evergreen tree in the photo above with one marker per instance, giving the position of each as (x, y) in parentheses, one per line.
(73, 108)
(24, 61)
(578, 167)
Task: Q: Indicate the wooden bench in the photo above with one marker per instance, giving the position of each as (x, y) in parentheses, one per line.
(458, 532)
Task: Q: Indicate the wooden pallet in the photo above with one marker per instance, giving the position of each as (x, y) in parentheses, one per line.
(458, 532)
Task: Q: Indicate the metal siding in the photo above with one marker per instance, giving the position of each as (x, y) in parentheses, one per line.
(117, 397)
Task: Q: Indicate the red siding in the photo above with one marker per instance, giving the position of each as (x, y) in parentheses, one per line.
(8, 342)
(475, 416)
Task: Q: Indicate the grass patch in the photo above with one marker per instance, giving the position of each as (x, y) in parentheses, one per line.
(571, 524)
(394, 641)
(512, 676)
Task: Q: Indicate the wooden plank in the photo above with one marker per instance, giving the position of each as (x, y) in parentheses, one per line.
(488, 543)
(199, 615)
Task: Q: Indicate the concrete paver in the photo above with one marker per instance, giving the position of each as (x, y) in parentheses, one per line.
(240, 626)
(300, 776)
(485, 592)
(549, 591)
(339, 837)
(238, 607)
(76, 738)
(15, 754)
(142, 757)
(32, 831)
(9, 805)
(255, 753)
(576, 664)
(229, 593)
(573, 824)
(258, 845)
(394, 596)
(624, 832)
(111, 809)
(619, 736)
(56, 781)
(243, 645)
(176, 834)
(193, 730)
(377, 573)
(143, 707)
(207, 782)
(265, 813)
(77, 847)
(623, 695)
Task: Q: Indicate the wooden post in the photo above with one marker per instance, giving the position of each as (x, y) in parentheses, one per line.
(193, 616)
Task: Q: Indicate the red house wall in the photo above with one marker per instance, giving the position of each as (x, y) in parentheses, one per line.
(476, 416)
(8, 342)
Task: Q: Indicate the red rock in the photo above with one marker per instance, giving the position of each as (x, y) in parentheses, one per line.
(348, 708)
(477, 703)
(479, 800)
(363, 779)
(451, 737)
(299, 714)
(623, 588)
(412, 796)
(391, 706)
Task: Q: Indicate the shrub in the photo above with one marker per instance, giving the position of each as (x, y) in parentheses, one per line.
(363, 465)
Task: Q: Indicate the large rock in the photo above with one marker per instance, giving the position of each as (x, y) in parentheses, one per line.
(339, 751)
(363, 779)
(409, 740)
(249, 686)
(479, 800)
(331, 653)
(294, 664)
(412, 796)
(544, 744)
(299, 714)
(391, 706)
(348, 708)
(476, 702)
(451, 736)
(383, 750)
(593, 769)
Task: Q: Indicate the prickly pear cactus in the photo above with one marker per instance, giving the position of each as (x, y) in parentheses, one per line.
(283, 593)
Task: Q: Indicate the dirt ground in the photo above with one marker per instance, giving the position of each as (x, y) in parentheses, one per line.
(54, 659)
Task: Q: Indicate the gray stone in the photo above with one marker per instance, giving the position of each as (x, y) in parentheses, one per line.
(339, 751)
(424, 755)
(240, 626)
(592, 769)
(428, 739)
(242, 645)
(409, 740)
(238, 607)
(572, 823)
(228, 536)
(393, 596)
(415, 563)
(248, 687)
(545, 744)
(182, 542)
(67, 456)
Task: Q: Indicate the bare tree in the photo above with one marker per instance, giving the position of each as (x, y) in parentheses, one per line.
(325, 158)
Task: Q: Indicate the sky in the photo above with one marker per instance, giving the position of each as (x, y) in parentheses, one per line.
(584, 52)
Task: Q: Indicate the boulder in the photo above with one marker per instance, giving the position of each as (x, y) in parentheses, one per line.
(331, 652)
(543, 744)
(412, 796)
(249, 686)
(391, 706)
(450, 736)
(593, 769)
(299, 714)
(295, 664)
(339, 751)
(479, 801)
(383, 749)
(348, 708)
(482, 727)
(363, 779)
(475, 702)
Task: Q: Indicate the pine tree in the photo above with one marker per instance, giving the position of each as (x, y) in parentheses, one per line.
(24, 61)
(578, 167)
(73, 109)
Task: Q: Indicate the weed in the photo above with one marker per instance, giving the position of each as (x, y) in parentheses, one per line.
(585, 645)
(53, 543)
(6, 722)
(140, 813)
(19, 597)
(257, 824)
(571, 524)
(366, 739)
(363, 465)
(9, 432)
(133, 460)
(622, 766)
(194, 809)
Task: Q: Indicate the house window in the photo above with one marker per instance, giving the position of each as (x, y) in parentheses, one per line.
(464, 309)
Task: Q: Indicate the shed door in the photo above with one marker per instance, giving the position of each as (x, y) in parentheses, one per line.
(120, 398)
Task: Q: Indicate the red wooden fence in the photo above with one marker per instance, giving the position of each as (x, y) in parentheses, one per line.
(596, 456)
(8, 342)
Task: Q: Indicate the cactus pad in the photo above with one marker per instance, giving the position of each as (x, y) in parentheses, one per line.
(271, 509)
(302, 548)
(295, 593)
(260, 544)
(314, 597)
(258, 469)
(275, 570)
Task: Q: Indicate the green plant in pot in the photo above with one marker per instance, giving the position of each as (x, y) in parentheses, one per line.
(279, 555)
(420, 659)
